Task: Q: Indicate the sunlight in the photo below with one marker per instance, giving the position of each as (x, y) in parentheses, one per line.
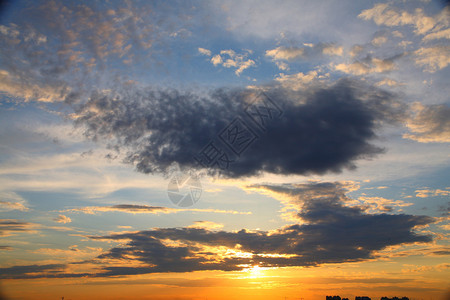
(254, 272)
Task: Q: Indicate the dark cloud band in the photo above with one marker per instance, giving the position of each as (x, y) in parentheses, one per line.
(330, 232)
(322, 129)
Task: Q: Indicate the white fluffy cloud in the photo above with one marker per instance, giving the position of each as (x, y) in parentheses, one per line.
(299, 80)
(433, 58)
(12, 201)
(308, 51)
(204, 51)
(62, 219)
(384, 14)
(286, 53)
(230, 59)
(367, 66)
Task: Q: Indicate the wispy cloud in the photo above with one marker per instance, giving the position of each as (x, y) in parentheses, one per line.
(379, 204)
(425, 193)
(308, 51)
(433, 58)
(204, 51)
(12, 227)
(206, 225)
(429, 123)
(368, 65)
(391, 16)
(147, 209)
(12, 201)
(62, 219)
(300, 80)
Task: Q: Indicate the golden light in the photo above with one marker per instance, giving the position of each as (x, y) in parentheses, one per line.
(255, 272)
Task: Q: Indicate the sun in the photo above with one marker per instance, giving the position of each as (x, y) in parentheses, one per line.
(255, 272)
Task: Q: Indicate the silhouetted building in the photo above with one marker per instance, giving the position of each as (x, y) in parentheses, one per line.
(365, 298)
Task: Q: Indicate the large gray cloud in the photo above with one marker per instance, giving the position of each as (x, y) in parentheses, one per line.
(321, 129)
(31, 271)
(330, 232)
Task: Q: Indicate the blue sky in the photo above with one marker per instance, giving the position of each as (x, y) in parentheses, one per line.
(101, 101)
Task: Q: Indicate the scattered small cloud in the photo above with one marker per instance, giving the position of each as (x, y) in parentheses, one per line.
(424, 269)
(379, 40)
(425, 193)
(204, 51)
(433, 58)
(62, 219)
(387, 15)
(443, 34)
(230, 59)
(8, 206)
(356, 50)
(388, 82)
(286, 53)
(297, 81)
(10, 227)
(379, 204)
(307, 51)
(368, 65)
(429, 124)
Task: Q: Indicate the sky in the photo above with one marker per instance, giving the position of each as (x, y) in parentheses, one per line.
(224, 149)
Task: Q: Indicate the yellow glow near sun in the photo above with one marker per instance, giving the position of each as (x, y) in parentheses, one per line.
(255, 272)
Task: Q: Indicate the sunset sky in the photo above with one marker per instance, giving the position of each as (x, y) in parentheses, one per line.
(310, 138)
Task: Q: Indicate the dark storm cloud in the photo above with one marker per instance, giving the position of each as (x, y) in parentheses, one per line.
(330, 232)
(321, 130)
(30, 271)
(67, 54)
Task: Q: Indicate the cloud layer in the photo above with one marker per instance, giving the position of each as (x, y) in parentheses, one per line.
(322, 129)
(329, 232)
